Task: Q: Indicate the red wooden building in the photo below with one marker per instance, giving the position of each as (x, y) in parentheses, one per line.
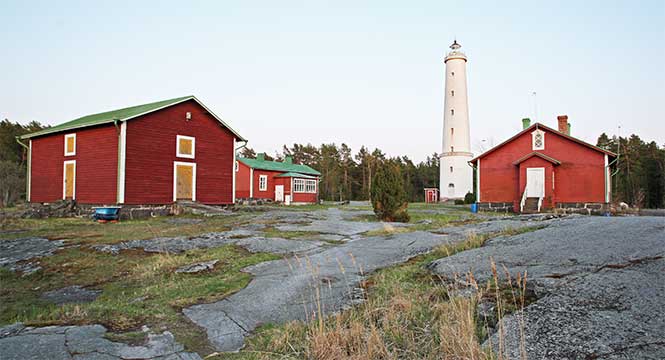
(542, 168)
(155, 153)
(283, 182)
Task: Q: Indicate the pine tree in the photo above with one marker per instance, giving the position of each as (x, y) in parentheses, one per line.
(389, 199)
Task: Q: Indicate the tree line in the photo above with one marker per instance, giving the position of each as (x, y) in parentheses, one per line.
(346, 175)
(639, 171)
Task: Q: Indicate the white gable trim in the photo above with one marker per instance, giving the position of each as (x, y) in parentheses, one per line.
(533, 140)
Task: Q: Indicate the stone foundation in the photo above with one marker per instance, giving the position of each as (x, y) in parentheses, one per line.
(496, 206)
(582, 208)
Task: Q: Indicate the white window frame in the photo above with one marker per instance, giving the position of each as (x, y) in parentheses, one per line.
(64, 177)
(177, 146)
(533, 140)
(310, 186)
(264, 179)
(175, 178)
(73, 136)
(298, 185)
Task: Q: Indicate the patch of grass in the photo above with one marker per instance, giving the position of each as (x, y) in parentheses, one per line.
(408, 313)
(271, 231)
(86, 231)
(138, 288)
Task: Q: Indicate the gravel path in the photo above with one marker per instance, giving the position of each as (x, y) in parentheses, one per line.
(292, 289)
(600, 283)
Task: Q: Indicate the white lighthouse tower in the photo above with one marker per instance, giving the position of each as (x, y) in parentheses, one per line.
(456, 176)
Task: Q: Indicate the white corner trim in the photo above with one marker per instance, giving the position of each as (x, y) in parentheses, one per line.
(607, 180)
(29, 172)
(265, 184)
(64, 184)
(177, 146)
(251, 182)
(234, 173)
(68, 136)
(122, 161)
(478, 183)
(175, 178)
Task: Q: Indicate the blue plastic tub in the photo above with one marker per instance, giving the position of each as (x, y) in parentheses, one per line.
(474, 208)
(107, 213)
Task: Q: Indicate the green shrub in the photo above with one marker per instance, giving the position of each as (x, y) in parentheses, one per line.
(459, 202)
(469, 198)
(388, 194)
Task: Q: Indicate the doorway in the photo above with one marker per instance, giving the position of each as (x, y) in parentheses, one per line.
(535, 182)
(279, 193)
(69, 180)
(184, 181)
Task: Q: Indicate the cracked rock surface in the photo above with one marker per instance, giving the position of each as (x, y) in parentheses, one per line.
(16, 253)
(290, 289)
(336, 221)
(84, 342)
(600, 283)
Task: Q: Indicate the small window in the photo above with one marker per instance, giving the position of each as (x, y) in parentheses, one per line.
(452, 132)
(452, 73)
(451, 169)
(451, 186)
(538, 140)
(263, 182)
(452, 111)
(185, 146)
(452, 149)
(70, 144)
(452, 92)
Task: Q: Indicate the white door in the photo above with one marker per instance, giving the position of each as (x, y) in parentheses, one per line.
(535, 182)
(279, 193)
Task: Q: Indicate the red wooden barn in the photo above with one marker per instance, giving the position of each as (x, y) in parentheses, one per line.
(542, 168)
(277, 181)
(155, 153)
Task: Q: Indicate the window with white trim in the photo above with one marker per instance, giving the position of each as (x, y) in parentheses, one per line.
(310, 186)
(70, 144)
(538, 140)
(263, 182)
(298, 185)
(185, 146)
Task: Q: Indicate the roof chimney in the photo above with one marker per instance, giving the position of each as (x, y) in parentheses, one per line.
(568, 128)
(261, 156)
(563, 123)
(526, 122)
(288, 159)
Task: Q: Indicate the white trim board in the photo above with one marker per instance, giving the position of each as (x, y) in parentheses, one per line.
(29, 172)
(64, 174)
(122, 162)
(177, 146)
(234, 173)
(251, 182)
(175, 182)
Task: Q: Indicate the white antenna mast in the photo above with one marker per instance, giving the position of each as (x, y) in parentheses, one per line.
(535, 106)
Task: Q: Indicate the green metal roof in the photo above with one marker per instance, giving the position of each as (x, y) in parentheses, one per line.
(296, 175)
(278, 166)
(121, 115)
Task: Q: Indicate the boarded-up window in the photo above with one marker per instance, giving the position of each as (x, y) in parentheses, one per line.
(70, 144)
(69, 180)
(185, 181)
(185, 146)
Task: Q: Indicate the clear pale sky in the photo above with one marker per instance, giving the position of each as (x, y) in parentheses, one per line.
(363, 73)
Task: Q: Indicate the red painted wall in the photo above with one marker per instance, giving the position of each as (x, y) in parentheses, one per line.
(242, 181)
(269, 193)
(579, 178)
(151, 151)
(96, 166)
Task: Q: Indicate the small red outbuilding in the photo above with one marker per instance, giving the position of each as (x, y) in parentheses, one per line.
(149, 154)
(279, 181)
(541, 168)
